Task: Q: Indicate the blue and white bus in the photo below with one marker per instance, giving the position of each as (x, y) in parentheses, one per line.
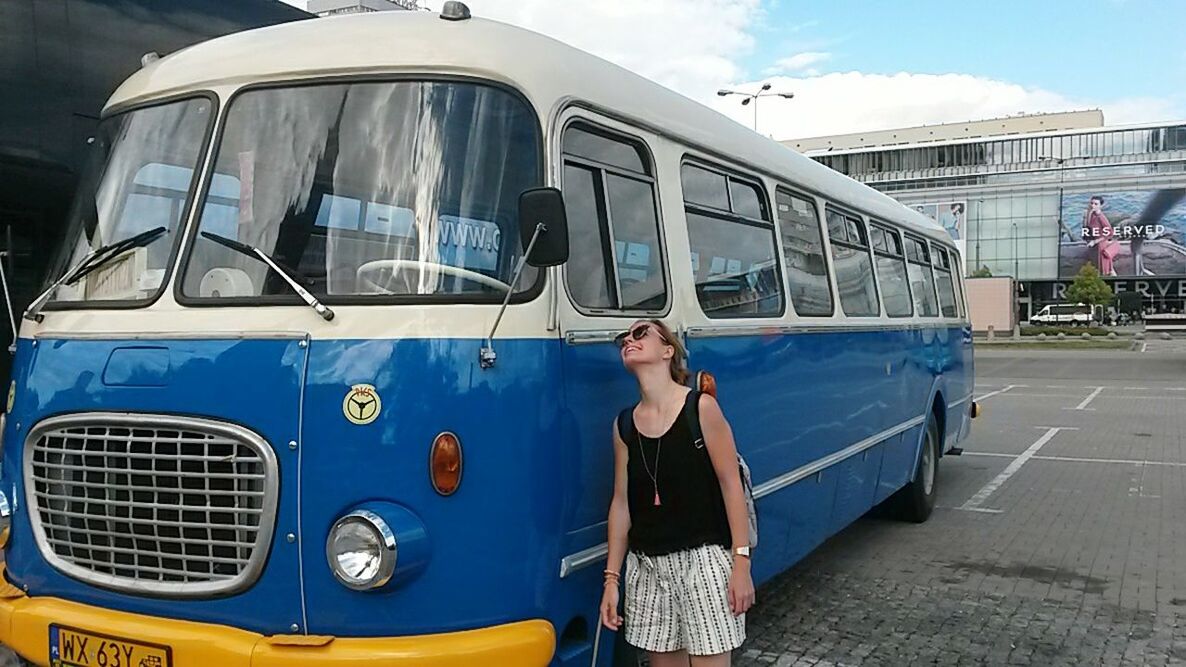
(260, 417)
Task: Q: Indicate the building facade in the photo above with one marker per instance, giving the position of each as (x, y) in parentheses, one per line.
(1039, 204)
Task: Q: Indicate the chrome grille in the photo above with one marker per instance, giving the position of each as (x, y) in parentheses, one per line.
(151, 504)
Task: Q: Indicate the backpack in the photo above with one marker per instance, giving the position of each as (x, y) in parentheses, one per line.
(691, 415)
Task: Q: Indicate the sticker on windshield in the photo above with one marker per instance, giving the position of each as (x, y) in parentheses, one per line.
(362, 405)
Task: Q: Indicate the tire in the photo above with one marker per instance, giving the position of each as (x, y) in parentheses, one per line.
(917, 499)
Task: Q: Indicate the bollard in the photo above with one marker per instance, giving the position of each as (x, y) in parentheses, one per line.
(1062, 335)
(1112, 335)
(1085, 336)
(1140, 335)
(991, 333)
(1165, 335)
(1041, 336)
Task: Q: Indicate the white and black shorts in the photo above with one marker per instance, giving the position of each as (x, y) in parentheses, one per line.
(681, 601)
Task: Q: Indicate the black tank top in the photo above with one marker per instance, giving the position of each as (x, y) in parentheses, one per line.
(691, 509)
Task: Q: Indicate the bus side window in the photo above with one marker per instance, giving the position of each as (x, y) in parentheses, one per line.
(854, 267)
(733, 254)
(616, 261)
(803, 254)
(944, 282)
(891, 272)
(922, 281)
(958, 280)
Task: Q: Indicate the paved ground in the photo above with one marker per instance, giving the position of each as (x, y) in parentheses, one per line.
(1059, 539)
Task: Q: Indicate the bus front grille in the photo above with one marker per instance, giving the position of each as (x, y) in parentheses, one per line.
(151, 504)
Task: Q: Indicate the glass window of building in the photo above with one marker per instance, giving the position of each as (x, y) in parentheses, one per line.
(922, 281)
(891, 271)
(803, 255)
(733, 254)
(853, 265)
(943, 282)
(616, 263)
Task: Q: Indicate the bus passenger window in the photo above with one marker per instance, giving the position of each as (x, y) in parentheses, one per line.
(854, 267)
(891, 272)
(616, 261)
(943, 282)
(922, 283)
(734, 261)
(803, 255)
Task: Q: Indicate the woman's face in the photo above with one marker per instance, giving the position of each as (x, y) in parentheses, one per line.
(643, 344)
(1096, 204)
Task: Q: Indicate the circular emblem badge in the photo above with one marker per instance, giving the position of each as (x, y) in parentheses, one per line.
(362, 405)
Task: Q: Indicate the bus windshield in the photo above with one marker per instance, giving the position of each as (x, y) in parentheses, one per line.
(139, 178)
(368, 190)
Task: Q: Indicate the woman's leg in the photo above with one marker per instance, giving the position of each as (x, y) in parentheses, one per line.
(718, 660)
(672, 659)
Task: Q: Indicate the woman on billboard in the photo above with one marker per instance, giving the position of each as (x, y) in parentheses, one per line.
(1101, 234)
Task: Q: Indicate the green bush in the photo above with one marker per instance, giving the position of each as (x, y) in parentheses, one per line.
(1070, 331)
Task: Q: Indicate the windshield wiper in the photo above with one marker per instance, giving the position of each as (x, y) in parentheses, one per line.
(284, 272)
(95, 259)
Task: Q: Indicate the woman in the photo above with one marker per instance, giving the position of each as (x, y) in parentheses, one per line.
(1097, 228)
(679, 507)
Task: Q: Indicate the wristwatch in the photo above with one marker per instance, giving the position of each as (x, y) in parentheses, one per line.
(741, 551)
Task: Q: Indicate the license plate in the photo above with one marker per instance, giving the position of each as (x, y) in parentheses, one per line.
(75, 648)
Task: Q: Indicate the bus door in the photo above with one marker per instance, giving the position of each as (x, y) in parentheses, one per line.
(617, 272)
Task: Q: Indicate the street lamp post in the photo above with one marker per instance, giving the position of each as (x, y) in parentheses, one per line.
(1062, 227)
(979, 224)
(1016, 283)
(1015, 262)
(753, 98)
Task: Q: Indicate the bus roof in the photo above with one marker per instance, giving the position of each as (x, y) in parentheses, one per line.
(550, 73)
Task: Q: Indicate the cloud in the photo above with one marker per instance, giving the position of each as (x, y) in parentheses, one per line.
(841, 103)
(800, 62)
(691, 46)
(699, 46)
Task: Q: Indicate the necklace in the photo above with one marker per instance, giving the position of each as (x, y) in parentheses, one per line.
(655, 475)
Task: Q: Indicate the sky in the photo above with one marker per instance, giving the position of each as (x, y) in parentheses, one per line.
(856, 66)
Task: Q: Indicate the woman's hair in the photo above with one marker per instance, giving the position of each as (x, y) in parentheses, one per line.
(1096, 198)
(678, 364)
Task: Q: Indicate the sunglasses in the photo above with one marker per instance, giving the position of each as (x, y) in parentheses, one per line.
(637, 333)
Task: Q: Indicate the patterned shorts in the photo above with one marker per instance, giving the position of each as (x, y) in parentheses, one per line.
(681, 601)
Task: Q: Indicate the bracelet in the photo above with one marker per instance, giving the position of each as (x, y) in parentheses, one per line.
(611, 573)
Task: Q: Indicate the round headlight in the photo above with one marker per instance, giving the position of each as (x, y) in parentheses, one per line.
(361, 551)
(5, 519)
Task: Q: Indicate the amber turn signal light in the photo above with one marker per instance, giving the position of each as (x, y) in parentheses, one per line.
(444, 463)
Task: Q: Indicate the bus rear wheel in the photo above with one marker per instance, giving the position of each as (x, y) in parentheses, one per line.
(917, 499)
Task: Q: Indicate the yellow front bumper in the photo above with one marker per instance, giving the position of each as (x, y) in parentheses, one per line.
(25, 621)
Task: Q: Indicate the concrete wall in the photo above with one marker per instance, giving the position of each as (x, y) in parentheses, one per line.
(994, 127)
(990, 303)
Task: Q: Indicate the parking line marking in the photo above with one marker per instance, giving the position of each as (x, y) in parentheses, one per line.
(999, 391)
(1084, 459)
(977, 500)
(1089, 399)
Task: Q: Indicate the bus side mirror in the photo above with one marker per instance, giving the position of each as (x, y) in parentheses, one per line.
(546, 245)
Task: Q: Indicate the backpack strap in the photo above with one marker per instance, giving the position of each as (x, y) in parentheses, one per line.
(692, 418)
(626, 424)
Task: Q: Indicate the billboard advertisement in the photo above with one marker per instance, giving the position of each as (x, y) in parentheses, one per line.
(1127, 233)
(951, 215)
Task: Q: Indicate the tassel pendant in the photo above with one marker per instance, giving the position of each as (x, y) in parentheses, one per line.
(657, 502)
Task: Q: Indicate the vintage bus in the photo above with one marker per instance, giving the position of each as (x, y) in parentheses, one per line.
(294, 397)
